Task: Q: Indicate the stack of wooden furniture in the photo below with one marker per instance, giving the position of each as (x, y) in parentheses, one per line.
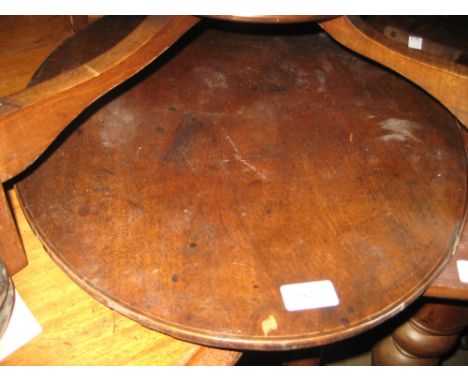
(245, 159)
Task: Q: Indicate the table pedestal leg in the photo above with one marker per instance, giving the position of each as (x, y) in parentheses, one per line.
(429, 334)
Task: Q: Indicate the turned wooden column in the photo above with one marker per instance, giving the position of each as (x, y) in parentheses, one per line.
(422, 340)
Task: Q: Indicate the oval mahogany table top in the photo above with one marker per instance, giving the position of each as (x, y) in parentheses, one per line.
(243, 161)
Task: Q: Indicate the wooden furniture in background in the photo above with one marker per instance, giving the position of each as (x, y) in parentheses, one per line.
(446, 31)
(425, 338)
(48, 107)
(454, 105)
(25, 43)
(11, 246)
(444, 80)
(427, 45)
(77, 330)
(448, 284)
(242, 162)
(434, 328)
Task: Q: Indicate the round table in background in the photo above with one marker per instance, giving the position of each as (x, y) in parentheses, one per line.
(248, 158)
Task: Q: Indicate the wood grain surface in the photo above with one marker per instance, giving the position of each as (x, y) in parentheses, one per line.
(445, 80)
(448, 284)
(77, 330)
(48, 107)
(26, 42)
(244, 162)
(11, 247)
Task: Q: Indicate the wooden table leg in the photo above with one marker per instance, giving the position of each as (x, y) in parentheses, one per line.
(422, 340)
(11, 247)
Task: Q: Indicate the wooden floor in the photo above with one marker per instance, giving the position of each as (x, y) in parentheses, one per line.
(77, 330)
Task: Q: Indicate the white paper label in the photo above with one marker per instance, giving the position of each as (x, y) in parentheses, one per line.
(462, 266)
(415, 42)
(310, 295)
(21, 329)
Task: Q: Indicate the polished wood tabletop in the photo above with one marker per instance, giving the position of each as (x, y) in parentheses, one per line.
(76, 329)
(244, 160)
